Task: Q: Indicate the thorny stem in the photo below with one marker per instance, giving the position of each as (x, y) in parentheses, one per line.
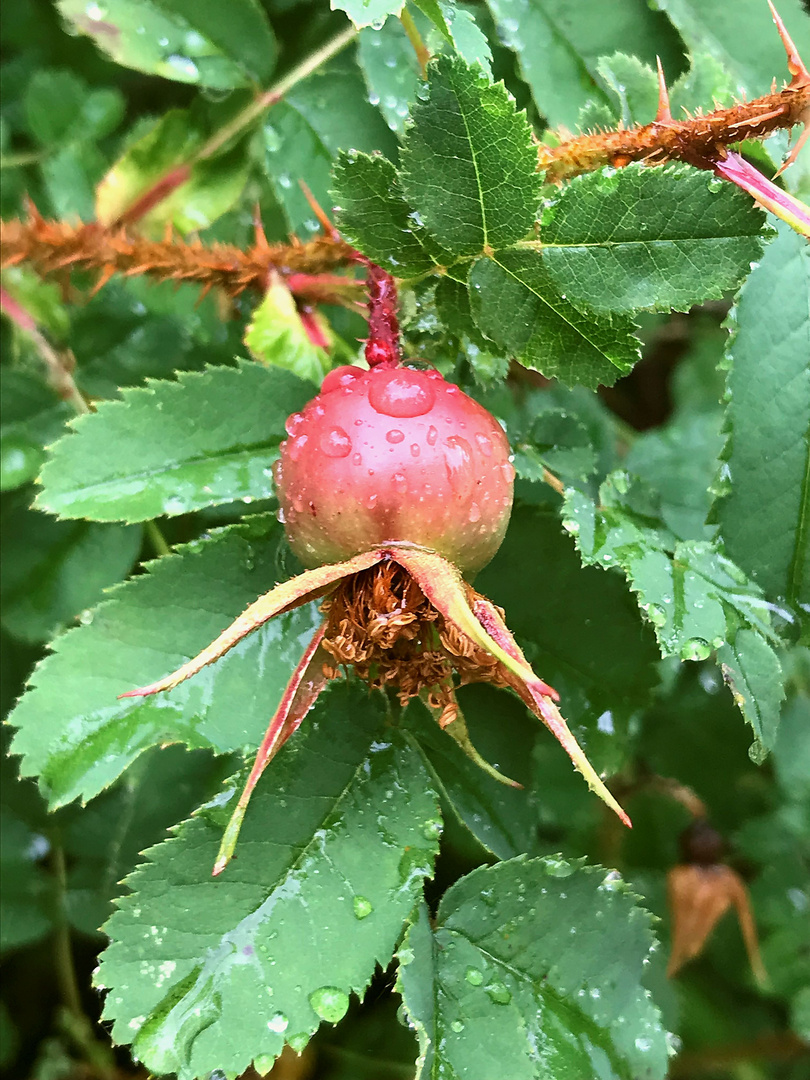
(415, 38)
(173, 179)
(58, 366)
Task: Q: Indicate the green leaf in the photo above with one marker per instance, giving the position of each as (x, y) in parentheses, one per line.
(501, 818)
(696, 599)
(189, 41)
(76, 735)
(559, 43)
(172, 447)
(368, 12)
(102, 842)
(469, 167)
(388, 62)
(649, 238)
(31, 416)
(556, 441)
(502, 983)
(741, 37)
(327, 112)
(581, 629)
(687, 590)
(633, 85)
(61, 108)
(276, 336)
(458, 29)
(374, 215)
(213, 185)
(331, 860)
(754, 674)
(679, 461)
(765, 515)
(517, 303)
(54, 570)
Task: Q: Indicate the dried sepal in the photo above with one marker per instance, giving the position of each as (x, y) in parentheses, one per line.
(699, 896)
(291, 594)
(301, 693)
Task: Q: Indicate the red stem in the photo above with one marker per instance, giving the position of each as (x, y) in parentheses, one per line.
(382, 344)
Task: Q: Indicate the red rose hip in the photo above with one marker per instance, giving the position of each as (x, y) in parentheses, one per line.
(394, 455)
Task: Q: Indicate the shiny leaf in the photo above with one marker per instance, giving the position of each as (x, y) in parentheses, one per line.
(75, 733)
(189, 41)
(374, 215)
(469, 167)
(500, 983)
(764, 515)
(331, 860)
(517, 303)
(649, 238)
(172, 447)
(559, 43)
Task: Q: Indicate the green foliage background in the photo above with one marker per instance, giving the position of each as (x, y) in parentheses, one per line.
(393, 911)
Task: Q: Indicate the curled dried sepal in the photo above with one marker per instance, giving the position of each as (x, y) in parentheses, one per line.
(310, 585)
(699, 896)
(424, 665)
(299, 697)
(443, 585)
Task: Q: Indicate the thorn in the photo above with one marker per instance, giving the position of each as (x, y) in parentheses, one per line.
(664, 115)
(794, 153)
(204, 291)
(258, 229)
(328, 228)
(105, 275)
(753, 121)
(801, 76)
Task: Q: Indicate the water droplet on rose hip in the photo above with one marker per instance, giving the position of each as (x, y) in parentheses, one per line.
(293, 423)
(330, 1003)
(457, 464)
(474, 514)
(432, 436)
(357, 459)
(400, 483)
(394, 436)
(484, 444)
(415, 451)
(335, 443)
(401, 393)
(371, 502)
(296, 447)
(508, 470)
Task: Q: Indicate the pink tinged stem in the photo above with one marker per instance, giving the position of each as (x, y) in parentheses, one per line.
(290, 594)
(790, 209)
(542, 705)
(301, 694)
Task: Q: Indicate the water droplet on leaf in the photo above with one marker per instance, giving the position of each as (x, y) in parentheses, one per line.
(330, 1003)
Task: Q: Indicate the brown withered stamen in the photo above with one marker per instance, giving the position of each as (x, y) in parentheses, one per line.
(380, 622)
